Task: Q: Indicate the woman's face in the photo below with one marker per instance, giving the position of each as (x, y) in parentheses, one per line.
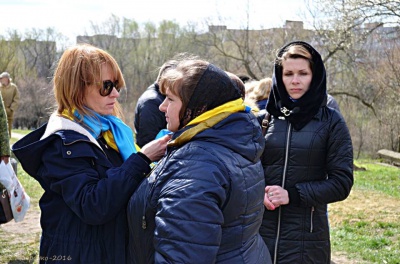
(296, 76)
(103, 105)
(171, 107)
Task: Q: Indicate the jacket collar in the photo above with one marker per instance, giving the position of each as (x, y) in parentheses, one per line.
(57, 123)
(207, 120)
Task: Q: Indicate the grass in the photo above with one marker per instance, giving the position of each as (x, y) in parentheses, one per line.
(379, 178)
(22, 131)
(19, 131)
(365, 227)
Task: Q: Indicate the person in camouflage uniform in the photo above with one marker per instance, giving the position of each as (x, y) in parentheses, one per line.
(4, 139)
(10, 94)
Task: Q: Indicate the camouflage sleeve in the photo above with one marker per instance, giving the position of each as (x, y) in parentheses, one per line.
(4, 139)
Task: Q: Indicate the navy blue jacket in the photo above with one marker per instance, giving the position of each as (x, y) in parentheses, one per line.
(149, 120)
(261, 104)
(204, 201)
(83, 207)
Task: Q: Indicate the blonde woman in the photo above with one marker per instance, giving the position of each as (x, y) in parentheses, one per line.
(308, 159)
(86, 161)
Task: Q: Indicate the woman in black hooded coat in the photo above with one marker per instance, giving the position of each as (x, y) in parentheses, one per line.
(307, 160)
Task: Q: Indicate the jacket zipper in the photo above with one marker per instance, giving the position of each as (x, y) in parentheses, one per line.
(283, 186)
(312, 221)
(144, 221)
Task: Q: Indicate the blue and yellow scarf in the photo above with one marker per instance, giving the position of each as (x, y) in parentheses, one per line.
(116, 133)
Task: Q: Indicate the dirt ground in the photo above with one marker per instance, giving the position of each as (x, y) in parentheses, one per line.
(30, 226)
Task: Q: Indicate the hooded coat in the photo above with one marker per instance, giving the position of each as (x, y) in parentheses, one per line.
(203, 201)
(308, 152)
(86, 189)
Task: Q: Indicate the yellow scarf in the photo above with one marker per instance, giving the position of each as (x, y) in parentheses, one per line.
(208, 119)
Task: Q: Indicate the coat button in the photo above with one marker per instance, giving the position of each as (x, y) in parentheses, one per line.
(69, 152)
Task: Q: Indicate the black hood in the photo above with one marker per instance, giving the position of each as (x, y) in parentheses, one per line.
(305, 108)
(214, 88)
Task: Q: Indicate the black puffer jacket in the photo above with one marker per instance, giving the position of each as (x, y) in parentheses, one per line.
(312, 158)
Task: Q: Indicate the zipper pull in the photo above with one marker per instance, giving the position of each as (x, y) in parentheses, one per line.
(144, 224)
(312, 216)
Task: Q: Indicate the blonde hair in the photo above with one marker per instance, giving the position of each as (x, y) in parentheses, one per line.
(261, 89)
(250, 86)
(78, 68)
(293, 52)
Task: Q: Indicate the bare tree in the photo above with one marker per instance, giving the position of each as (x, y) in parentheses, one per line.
(36, 103)
(9, 60)
(360, 55)
(359, 42)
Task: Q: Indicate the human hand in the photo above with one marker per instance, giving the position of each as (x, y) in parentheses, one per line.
(275, 196)
(6, 159)
(155, 149)
(268, 204)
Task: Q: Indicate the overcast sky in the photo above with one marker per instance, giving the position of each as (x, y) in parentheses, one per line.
(73, 17)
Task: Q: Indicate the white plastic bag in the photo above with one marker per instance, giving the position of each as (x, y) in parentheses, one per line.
(19, 199)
